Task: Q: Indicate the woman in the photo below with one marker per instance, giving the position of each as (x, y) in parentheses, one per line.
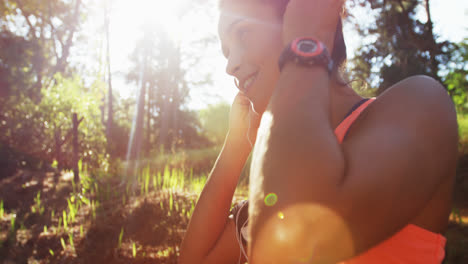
(334, 177)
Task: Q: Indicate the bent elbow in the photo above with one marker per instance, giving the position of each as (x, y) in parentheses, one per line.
(301, 233)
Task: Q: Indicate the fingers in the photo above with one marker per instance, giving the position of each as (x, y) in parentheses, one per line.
(241, 99)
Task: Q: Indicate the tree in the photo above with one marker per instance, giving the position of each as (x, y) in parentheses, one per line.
(34, 129)
(37, 83)
(110, 109)
(215, 121)
(35, 42)
(163, 92)
(401, 45)
(456, 80)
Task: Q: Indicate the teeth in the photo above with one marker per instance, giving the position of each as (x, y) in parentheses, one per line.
(248, 82)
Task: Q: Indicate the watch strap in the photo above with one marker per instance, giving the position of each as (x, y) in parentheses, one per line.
(321, 59)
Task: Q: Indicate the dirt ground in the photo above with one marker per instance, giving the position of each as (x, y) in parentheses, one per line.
(123, 229)
(151, 233)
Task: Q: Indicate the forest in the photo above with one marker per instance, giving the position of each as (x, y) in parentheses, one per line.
(102, 161)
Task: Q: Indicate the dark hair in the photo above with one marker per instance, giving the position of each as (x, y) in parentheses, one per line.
(338, 53)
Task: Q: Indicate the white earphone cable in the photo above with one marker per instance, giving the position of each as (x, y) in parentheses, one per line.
(248, 130)
(239, 234)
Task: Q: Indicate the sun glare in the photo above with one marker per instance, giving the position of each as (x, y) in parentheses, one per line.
(162, 14)
(191, 25)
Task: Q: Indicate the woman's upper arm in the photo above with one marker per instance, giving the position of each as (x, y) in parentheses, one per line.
(398, 158)
(394, 159)
(227, 249)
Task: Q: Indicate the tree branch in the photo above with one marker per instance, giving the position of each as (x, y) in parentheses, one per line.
(26, 15)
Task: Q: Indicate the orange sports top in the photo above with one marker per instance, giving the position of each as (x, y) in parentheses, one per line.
(412, 244)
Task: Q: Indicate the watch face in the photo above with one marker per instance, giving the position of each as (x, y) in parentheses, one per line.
(307, 47)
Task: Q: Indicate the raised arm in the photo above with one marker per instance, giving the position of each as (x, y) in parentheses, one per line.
(210, 236)
(334, 201)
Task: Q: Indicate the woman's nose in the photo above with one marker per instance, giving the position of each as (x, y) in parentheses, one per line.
(233, 64)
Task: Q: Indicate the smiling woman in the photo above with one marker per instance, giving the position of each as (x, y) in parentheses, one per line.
(335, 178)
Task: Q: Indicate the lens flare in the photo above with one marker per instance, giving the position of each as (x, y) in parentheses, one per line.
(271, 199)
(280, 215)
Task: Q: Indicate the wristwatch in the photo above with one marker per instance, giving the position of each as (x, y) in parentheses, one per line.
(308, 52)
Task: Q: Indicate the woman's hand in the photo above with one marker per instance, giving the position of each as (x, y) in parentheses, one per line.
(243, 121)
(312, 18)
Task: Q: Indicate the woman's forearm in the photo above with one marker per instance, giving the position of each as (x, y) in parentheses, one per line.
(300, 161)
(212, 209)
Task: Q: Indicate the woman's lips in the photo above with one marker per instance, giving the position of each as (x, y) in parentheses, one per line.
(248, 83)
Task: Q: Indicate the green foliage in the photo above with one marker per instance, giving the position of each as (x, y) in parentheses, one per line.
(31, 127)
(463, 128)
(397, 44)
(456, 79)
(16, 53)
(35, 43)
(215, 121)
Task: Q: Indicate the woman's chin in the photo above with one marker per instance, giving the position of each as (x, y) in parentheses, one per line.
(259, 106)
(261, 96)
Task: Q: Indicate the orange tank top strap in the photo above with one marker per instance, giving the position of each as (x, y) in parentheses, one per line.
(343, 127)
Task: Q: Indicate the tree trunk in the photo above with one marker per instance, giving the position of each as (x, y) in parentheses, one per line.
(62, 60)
(136, 141)
(148, 120)
(58, 149)
(432, 42)
(165, 113)
(110, 118)
(76, 171)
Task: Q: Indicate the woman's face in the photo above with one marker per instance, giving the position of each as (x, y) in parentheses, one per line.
(250, 34)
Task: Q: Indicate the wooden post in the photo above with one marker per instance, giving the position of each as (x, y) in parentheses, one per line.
(75, 159)
(58, 149)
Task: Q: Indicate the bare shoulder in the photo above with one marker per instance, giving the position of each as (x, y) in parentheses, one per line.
(421, 105)
(416, 117)
(419, 91)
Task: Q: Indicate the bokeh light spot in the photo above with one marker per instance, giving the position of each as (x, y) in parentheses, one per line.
(280, 215)
(271, 199)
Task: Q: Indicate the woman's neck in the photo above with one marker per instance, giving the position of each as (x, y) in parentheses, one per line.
(342, 99)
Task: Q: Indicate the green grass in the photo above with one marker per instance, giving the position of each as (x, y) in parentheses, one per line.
(198, 160)
(463, 126)
(172, 187)
(2, 210)
(120, 237)
(38, 206)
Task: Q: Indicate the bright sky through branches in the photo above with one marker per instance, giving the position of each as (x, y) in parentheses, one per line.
(162, 13)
